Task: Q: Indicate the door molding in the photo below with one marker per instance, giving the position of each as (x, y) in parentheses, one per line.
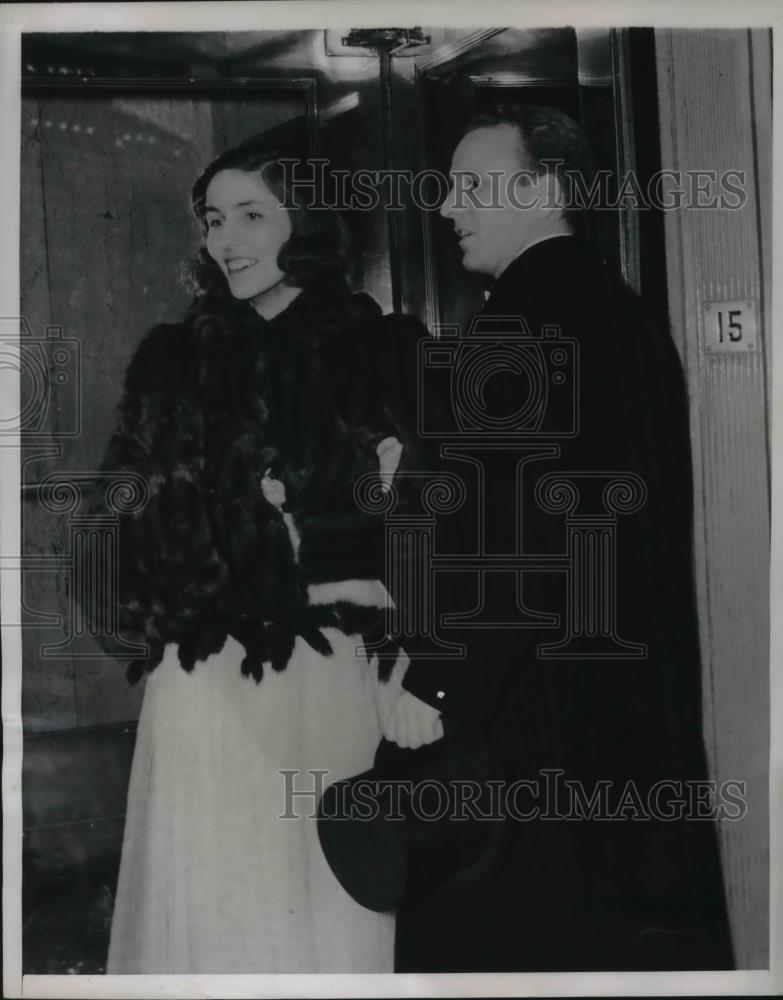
(714, 256)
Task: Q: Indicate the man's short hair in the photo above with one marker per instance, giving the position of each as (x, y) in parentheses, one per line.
(548, 134)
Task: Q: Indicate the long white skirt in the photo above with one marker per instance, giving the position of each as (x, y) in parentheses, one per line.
(213, 877)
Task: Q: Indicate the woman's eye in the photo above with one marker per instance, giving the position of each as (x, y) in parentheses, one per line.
(212, 223)
(254, 215)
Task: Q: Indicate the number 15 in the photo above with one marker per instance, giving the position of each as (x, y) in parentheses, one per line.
(732, 326)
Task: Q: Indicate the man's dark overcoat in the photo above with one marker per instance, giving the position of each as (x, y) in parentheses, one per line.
(629, 893)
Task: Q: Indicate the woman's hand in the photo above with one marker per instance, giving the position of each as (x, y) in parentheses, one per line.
(389, 452)
(412, 723)
(273, 490)
(274, 493)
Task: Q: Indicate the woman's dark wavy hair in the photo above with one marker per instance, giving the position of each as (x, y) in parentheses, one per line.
(319, 243)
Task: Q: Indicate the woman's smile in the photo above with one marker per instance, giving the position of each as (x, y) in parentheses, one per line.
(246, 228)
(239, 264)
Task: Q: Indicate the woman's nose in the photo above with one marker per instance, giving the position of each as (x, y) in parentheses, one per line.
(225, 237)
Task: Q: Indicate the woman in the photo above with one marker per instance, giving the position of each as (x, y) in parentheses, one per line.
(251, 422)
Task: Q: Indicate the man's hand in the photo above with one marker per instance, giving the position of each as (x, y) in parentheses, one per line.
(412, 722)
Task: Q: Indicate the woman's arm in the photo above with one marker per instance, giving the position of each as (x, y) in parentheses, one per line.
(351, 542)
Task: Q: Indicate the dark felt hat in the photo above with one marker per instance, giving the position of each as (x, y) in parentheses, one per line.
(417, 822)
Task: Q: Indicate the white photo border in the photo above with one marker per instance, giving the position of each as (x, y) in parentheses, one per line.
(16, 19)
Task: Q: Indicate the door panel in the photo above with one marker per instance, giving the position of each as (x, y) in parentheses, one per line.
(457, 82)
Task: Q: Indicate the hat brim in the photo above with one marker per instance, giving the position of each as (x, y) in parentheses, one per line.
(384, 862)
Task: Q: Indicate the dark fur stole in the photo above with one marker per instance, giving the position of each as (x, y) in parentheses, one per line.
(208, 405)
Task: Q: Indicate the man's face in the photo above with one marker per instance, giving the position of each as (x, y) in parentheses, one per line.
(482, 174)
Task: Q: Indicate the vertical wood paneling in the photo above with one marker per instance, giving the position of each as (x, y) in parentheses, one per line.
(48, 691)
(706, 82)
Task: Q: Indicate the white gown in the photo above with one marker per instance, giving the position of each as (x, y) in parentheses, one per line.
(212, 879)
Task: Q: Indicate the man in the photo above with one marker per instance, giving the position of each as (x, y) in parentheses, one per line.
(578, 890)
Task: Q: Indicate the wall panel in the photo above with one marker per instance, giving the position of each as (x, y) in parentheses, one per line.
(715, 255)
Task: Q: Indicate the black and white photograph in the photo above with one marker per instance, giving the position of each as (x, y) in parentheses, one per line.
(388, 475)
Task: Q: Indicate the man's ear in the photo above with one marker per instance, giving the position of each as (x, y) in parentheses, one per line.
(540, 189)
(524, 190)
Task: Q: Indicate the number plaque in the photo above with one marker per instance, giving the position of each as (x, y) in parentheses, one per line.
(730, 327)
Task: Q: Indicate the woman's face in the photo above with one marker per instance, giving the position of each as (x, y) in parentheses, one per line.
(246, 227)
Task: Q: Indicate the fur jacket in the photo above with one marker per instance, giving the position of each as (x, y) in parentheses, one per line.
(209, 405)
